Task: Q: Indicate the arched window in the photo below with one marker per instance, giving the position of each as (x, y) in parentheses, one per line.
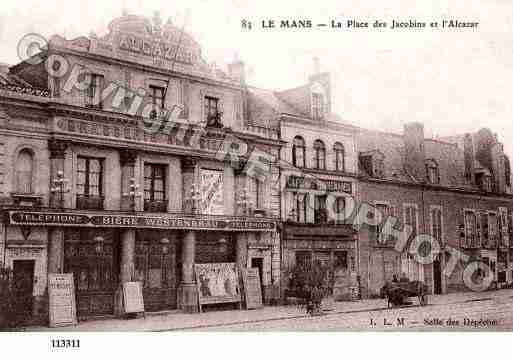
(433, 175)
(340, 162)
(298, 152)
(24, 171)
(320, 155)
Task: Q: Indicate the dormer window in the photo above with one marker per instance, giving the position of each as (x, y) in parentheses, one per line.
(298, 152)
(372, 163)
(484, 181)
(317, 106)
(320, 155)
(432, 172)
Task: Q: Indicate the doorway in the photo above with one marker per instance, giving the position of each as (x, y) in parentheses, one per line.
(23, 278)
(259, 263)
(437, 276)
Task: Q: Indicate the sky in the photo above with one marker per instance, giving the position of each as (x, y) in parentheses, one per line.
(453, 81)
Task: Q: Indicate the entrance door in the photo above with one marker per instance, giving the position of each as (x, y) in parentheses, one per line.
(437, 276)
(156, 268)
(23, 275)
(95, 267)
(259, 263)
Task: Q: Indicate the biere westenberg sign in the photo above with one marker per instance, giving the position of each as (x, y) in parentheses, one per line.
(120, 220)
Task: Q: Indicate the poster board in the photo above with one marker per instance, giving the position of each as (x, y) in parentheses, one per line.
(217, 283)
(211, 191)
(252, 288)
(133, 301)
(61, 298)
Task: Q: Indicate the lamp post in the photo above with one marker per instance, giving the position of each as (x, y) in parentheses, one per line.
(133, 192)
(60, 187)
(98, 244)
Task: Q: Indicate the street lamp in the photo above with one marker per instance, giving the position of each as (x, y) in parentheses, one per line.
(60, 187)
(133, 192)
(98, 246)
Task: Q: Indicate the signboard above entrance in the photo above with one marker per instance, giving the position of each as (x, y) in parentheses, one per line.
(169, 221)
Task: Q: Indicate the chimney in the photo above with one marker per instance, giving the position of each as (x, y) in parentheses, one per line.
(498, 167)
(415, 155)
(468, 156)
(237, 70)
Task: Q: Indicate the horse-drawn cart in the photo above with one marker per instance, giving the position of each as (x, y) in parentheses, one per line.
(397, 292)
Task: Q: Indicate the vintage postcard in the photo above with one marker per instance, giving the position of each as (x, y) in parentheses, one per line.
(255, 166)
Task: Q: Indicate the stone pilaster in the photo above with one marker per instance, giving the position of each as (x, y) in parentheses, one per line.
(127, 160)
(188, 296)
(188, 177)
(241, 250)
(127, 266)
(55, 250)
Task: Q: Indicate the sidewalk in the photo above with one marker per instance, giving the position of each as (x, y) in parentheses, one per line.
(181, 321)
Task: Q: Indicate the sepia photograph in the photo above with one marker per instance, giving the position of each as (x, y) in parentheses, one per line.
(238, 166)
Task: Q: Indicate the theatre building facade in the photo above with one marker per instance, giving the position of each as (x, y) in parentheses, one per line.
(96, 184)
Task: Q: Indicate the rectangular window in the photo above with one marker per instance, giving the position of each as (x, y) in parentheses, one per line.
(303, 258)
(384, 209)
(493, 229)
(212, 109)
(410, 218)
(157, 100)
(436, 224)
(89, 177)
(340, 209)
(503, 227)
(340, 260)
(300, 207)
(154, 182)
(320, 209)
(258, 187)
(471, 237)
(433, 175)
(94, 91)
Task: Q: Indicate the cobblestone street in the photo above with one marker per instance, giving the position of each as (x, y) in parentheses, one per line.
(494, 308)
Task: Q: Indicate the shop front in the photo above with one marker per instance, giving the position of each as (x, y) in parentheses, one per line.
(103, 251)
(329, 245)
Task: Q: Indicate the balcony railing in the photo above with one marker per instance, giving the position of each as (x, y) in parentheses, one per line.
(89, 202)
(155, 206)
(263, 131)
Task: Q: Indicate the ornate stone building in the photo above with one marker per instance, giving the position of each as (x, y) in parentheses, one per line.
(127, 157)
